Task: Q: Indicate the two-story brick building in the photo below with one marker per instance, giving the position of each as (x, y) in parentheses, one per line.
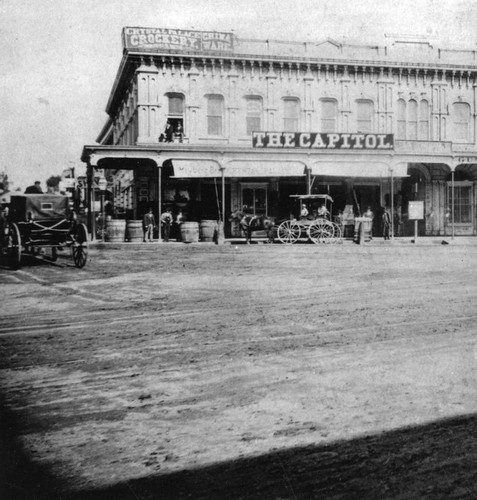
(200, 117)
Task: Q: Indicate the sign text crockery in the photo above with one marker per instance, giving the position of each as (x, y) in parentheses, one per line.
(151, 39)
(313, 140)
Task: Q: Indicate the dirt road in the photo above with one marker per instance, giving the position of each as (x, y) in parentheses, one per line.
(261, 371)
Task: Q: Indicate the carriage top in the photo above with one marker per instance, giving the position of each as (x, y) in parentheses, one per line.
(27, 207)
(311, 197)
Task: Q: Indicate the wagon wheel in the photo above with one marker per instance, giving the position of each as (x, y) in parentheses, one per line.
(288, 232)
(321, 231)
(338, 233)
(12, 246)
(80, 245)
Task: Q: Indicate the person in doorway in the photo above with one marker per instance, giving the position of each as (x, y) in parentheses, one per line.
(34, 189)
(176, 229)
(370, 215)
(166, 221)
(169, 132)
(178, 133)
(386, 223)
(397, 223)
(148, 226)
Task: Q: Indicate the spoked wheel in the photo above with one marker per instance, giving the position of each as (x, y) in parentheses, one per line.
(288, 232)
(80, 246)
(321, 231)
(12, 246)
(338, 234)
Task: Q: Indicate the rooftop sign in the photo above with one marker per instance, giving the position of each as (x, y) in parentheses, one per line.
(154, 39)
(313, 140)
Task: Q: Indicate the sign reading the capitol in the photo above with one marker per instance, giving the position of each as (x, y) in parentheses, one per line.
(154, 39)
(313, 140)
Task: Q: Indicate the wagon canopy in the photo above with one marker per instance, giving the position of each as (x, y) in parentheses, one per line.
(38, 207)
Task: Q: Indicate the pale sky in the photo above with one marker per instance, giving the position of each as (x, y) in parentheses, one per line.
(59, 58)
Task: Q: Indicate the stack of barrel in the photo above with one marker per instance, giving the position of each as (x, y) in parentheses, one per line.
(120, 230)
(192, 232)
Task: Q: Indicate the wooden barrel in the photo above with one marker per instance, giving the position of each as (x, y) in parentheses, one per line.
(207, 230)
(134, 231)
(116, 230)
(190, 232)
(362, 229)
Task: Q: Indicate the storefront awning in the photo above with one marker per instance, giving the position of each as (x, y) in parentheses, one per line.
(198, 169)
(237, 168)
(358, 169)
(264, 168)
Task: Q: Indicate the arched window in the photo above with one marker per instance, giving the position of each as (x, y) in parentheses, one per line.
(329, 115)
(461, 121)
(401, 119)
(365, 113)
(175, 112)
(412, 120)
(215, 114)
(424, 120)
(253, 114)
(291, 114)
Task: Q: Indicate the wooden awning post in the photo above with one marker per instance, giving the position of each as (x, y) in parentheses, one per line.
(89, 181)
(453, 202)
(159, 200)
(392, 203)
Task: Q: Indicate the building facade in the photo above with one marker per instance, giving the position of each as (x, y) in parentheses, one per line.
(206, 123)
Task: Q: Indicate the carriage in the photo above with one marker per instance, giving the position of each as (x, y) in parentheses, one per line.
(41, 224)
(313, 223)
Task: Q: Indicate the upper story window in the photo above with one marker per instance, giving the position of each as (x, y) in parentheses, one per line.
(461, 121)
(424, 120)
(215, 114)
(291, 115)
(365, 112)
(253, 114)
(329, 115)
(412, 120)
(401, 119)
(175, 116)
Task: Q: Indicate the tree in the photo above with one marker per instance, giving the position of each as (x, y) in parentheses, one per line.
(52, 183)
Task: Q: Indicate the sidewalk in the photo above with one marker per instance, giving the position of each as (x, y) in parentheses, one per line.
(409, 240)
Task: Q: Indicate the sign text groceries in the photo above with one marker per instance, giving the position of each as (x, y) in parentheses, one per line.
(313, 140)
(148, 39)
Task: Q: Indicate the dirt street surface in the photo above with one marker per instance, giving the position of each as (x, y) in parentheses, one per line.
(241, 372)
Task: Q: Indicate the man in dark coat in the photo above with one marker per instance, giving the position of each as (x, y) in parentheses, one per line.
(34, 189)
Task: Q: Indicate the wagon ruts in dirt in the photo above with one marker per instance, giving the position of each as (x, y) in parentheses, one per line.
(312, 221)
(41, 225)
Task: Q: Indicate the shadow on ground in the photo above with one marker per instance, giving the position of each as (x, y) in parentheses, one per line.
(438, 460)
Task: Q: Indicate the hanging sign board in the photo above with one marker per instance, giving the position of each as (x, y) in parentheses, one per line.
(416, 210)
(154, 39)
(313, 140)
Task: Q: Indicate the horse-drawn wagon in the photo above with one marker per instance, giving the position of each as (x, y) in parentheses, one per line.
(40, 224)
(313, 223)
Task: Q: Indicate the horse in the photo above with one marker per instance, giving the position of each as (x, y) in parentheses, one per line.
(250, 222)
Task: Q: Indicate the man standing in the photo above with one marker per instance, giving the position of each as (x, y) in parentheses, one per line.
(166, 220)
(386, 223)
(148, 226)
